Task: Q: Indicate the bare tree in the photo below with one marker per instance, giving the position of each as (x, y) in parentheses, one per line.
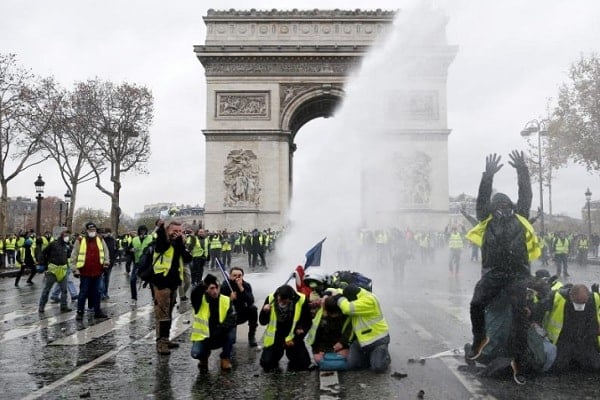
(119, 118)
(27, 108)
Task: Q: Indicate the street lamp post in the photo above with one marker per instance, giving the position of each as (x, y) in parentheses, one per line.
(39, 189)
(531, 127)
(67, 202)
(588, 198)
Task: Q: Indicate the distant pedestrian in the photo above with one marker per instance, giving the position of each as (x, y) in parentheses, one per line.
(26, 259)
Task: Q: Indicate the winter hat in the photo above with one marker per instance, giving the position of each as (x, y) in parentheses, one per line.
(90, 225)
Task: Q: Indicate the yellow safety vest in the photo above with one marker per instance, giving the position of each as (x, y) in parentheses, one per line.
(198, 250)
(562, 246)
(366, 317)
(162, 262)
(83, 251)
(60, 271)
(554, 321)
(200, 327)
(269, 338)
(455, 241)
(22, 255)
(11, 243)
(475, 235)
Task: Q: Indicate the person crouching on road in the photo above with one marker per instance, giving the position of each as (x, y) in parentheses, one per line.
(287, 316)
(91, 258)
(370, 349)
(56, 257)
(214, 323)
(243, 300)
(168, 261)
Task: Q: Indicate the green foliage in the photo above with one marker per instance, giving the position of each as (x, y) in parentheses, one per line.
(576, 118)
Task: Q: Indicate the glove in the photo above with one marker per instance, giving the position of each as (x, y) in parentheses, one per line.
(595, 288)
(492, 164)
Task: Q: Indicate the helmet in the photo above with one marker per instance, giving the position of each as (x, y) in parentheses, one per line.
(317, 280)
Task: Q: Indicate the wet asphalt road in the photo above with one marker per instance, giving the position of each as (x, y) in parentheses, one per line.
(56, 357)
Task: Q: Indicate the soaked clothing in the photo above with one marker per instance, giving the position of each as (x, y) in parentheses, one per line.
(504, 255)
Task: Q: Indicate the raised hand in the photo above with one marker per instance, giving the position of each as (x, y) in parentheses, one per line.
(517, 159)
(492, 164)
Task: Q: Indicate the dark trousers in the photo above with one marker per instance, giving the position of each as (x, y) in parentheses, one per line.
(197, 270)
(248, 314)
(22, 270)
(561, 264)
(488, 287)
(89, 288)
(297, 354)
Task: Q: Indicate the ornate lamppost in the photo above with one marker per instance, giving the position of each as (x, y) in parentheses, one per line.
(39, 189)
(588, 198)
(67, 202)
(539, 127)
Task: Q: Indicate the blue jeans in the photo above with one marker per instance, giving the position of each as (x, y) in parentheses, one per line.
(89, 287)
(49, 280)
(201, 349)
(376, 356)
(104, 281)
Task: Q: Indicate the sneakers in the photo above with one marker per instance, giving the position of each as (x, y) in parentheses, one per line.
(162, 346)
(477, 348)
(79, 316)
(225, 364)
(41, 310)
(517, 377)
(252, 340)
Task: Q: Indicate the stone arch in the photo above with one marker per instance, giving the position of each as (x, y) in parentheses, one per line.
(270, 72)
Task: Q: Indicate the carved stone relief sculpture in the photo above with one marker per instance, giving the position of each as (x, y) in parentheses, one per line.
(413, 173)
(246, 105)
(242, 186)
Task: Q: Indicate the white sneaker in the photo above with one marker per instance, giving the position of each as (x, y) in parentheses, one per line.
(133, 303)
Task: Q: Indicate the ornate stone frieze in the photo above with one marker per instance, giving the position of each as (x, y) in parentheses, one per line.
(242, 185)
(265, 66)
(247, 105)
(416, 105)
(289, 91)
(413, 173)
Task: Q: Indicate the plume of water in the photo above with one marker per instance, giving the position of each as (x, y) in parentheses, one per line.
(371, 169)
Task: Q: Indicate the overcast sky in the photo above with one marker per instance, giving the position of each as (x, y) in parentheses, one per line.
(512, 57)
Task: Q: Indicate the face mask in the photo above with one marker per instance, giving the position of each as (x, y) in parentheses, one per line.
(92, 234)
(66, 239)
(579, 306)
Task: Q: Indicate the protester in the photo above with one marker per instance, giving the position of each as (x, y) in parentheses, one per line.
(214, 323)
(91, 258)
(287, 316)
(240, 293)
(56, 258)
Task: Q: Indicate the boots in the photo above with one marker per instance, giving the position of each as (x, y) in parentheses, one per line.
(252, 337)
(172, 345)
(162, 346)
(225, 364)
(203, 365)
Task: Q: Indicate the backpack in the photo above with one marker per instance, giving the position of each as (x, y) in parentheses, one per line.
(145, 266)
(341, 279)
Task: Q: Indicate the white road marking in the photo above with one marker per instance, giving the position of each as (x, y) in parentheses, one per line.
(95, 331)
(329, 384)
(472, 385)
(29, 329)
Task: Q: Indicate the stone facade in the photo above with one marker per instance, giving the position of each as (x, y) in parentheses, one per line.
(270, 72)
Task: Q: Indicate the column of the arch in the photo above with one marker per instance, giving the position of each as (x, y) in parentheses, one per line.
(243, 124)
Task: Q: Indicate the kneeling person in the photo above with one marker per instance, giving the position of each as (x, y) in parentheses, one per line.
(214, 323)
(288, 317)
(243, 301)
(370, 349)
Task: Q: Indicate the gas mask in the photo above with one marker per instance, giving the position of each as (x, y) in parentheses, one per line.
(92, 234)
(66, 239)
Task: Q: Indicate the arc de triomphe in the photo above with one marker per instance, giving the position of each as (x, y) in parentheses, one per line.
(270, 72)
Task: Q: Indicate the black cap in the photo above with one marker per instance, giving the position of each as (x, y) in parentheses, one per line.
(90, 225)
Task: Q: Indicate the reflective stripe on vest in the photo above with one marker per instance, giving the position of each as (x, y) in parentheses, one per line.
(269, 338)
(200, 327)
(562, 246)
(367, 328)
(83, 250)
